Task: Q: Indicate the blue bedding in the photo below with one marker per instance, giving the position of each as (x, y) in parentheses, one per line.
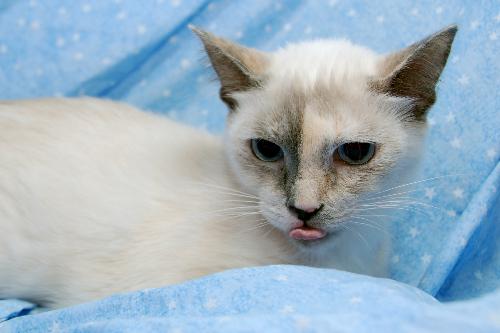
(446, 251)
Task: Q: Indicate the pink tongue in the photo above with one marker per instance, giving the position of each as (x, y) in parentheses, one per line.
(305, 233)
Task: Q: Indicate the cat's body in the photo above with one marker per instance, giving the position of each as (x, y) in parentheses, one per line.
(97, 197)
(146, 204)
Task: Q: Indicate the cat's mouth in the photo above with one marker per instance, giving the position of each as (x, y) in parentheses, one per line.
(306, 233)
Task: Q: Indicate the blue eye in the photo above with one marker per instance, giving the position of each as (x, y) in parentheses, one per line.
(356, 153)
(266, 150)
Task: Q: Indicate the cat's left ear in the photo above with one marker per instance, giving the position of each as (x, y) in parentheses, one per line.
(238, 68)
(414, 71)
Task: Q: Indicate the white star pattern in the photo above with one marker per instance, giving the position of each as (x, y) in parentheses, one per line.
(450, 117)
(287, 27)
(474, 24)
(491, 153)
(380, 19)
(482, 209)
(176, 3)
(430, 193)
(121, 15)
(458, 193)
(60, 42)
(497, 18)
(456, 143)
(493, 36)
(210, 304)
(356, 300)
(302, 323)
(431, 121)
(172, 305)
(21, 22)
(281, 278)
(308, 30)
(78, 56)
(463, 80)
(426, 259)
(141, 29)
(439, 10)
(287, 309)
(185, 63)
(105, 61)
(451, 213)
(414, 232)
(3, 48)
(35, 25)
(351, 13)
(414, 12)
(166, 93)
(86, 8)
(332, 3)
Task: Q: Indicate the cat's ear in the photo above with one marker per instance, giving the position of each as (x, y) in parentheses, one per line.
(238, 68)
(414, 71)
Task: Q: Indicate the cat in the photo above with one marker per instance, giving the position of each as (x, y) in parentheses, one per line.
(97, 197)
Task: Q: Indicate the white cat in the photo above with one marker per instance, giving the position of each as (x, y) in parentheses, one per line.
(97, 197)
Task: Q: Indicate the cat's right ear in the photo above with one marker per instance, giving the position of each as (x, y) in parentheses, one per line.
(238, 68)
(414, 71)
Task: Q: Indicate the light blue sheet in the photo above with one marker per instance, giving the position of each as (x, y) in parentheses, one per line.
(142, 53)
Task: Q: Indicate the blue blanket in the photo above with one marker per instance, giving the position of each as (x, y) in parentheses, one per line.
(143, 53)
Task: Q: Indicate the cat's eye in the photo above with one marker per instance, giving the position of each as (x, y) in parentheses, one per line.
(266, 150)
(356, 153)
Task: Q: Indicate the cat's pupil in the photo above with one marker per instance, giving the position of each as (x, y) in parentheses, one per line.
(266, 150)
(356, 152)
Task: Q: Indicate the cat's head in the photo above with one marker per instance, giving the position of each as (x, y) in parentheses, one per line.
(315, 127)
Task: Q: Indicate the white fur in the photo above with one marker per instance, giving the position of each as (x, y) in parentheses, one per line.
(97, 197)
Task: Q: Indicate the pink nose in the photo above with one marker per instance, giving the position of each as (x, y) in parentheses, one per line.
(304, 213)
(307, 209)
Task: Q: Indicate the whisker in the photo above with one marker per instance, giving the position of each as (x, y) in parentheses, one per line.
(419, 182)
(227, 193)
(360, 236)
(231, 209)
(369, 224)
(224, 188)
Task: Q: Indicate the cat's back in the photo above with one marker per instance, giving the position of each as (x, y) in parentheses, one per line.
(64, 130)
(79, 173)
(71, 119)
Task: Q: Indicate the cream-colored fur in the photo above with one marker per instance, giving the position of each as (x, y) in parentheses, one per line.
(97, 197)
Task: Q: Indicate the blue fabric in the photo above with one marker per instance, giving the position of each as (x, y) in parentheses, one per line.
(272, 299)
(142, 53)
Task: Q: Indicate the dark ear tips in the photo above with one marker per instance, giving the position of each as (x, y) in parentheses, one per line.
(238, 68)
(414, 71)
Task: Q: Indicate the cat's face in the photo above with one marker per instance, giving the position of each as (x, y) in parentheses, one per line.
(317, 127)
